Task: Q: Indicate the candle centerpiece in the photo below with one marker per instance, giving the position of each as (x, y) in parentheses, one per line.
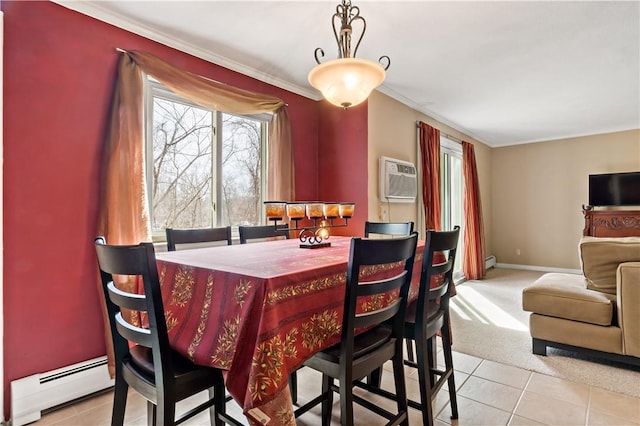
(319, 218)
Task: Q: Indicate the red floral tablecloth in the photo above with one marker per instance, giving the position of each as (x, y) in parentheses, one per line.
(259, 311)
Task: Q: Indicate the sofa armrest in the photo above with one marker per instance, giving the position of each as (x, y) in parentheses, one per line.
(628, 304)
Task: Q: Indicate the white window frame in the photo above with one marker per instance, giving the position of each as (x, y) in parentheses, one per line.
(450, 147)
(152, 89)
(454, 149)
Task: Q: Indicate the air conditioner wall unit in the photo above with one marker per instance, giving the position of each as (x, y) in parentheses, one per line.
(398, 181)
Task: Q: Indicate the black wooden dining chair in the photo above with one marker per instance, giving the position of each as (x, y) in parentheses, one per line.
(150, 366)
(262, 232)
(427, 317)
(359, 353)
(387, 228)
(196, 235)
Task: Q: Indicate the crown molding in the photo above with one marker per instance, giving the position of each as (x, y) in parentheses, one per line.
(94, 10)
(411, 104)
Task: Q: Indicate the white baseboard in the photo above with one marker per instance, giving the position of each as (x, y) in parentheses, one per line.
(30, 395)
(539, 268)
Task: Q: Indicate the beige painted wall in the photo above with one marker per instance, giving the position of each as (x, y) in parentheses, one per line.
(538, 191)
(393, 133)
(532, 194)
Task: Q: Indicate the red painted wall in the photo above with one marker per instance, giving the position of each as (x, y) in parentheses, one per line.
(59, 70)
(343, 167)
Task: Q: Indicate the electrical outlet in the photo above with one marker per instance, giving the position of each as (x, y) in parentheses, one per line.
(383, 213)
(517, 252)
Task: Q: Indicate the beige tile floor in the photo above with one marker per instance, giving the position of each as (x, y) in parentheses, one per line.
(489, 393)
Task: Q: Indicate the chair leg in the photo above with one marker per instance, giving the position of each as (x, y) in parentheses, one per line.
(121, 389)
(346, 401)
(410, 356)
(217, 393)
(401, 390)
(293, 386)
(375, 378)
(165, 412)
(327, 402)
(448, 360)
(433, 361)
(424, 380)
(151, 413)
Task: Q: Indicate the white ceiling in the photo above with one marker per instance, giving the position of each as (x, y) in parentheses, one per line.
(502, 72)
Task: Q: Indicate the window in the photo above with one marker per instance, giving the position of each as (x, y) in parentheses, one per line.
(452, 192)
(208, 168)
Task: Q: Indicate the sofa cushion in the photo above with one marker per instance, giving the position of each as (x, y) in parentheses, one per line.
(576, 333)
(565, 296)
(600, 258)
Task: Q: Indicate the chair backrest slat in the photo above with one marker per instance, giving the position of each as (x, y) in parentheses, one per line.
(141, 336)
(130, 262)
(194, 236)
(387, 228)
(260, 232)
(380, 252)
(377, 317)
(441, 268)
(381, 286)
(135, 302)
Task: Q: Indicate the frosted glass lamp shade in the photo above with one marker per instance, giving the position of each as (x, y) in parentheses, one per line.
(347, 82)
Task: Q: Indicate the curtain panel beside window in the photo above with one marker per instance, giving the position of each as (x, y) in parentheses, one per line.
(430, 157)
(473, 259)
(124, 214)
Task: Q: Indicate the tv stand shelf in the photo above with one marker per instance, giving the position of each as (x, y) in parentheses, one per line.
(611, 223)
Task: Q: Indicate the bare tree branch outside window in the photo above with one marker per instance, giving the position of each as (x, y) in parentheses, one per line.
(240, 171)
(184, 166)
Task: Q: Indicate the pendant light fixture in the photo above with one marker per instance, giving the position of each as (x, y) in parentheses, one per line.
(347, 81)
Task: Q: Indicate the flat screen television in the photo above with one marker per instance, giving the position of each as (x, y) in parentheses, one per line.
(614, 189)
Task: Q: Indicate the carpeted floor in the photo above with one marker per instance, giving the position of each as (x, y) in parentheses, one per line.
(488, 322)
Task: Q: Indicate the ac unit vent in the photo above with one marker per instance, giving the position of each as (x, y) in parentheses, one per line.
(398, 181)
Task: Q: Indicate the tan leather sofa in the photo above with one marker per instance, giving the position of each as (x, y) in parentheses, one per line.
(597, 312)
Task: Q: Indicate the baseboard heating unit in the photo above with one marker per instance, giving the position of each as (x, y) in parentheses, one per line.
(30, 395)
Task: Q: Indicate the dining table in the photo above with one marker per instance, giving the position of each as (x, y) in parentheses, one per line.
(258, 311)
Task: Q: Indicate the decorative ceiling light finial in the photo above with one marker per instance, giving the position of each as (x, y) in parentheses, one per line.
(347, 81)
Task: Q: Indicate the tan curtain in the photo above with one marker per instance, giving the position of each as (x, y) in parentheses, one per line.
(473, 259)
(280, 166)
(124, 215)
(430, 157)
(221, 97)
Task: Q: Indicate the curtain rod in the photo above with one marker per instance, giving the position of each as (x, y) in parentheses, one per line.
(446, 135)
